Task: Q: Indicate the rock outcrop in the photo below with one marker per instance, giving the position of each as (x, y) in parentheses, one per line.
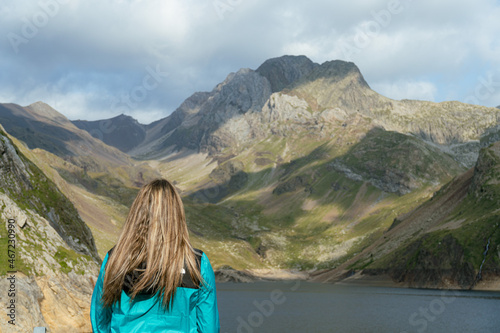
(59, 303)
(53, 284)
(485, 182)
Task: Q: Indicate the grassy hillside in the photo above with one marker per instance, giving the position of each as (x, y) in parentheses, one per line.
(286, 203)
(452, 239)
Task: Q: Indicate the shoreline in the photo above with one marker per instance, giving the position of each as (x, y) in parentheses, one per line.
(254, 275)
(356, 279)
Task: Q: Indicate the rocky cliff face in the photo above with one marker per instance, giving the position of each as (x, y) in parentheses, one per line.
(21, 180)
(53, 283)
(193, 126)
(56, 259)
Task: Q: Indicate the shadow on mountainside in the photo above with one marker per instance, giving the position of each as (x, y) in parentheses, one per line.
(389, 161)
(281, 194)
(37, 134)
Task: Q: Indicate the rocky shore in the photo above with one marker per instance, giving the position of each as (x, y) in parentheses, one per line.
(228, 274)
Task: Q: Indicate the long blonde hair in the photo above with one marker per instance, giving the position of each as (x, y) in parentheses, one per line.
(155, 233)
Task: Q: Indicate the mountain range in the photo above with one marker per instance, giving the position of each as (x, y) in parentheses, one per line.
(294, 166)
(230, 115)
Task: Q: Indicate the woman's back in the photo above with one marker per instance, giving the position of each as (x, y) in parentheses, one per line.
(136, 278)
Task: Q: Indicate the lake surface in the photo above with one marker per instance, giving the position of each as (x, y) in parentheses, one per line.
(299, 306)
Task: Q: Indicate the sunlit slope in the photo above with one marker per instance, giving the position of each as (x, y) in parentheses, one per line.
(453, 239)
(305, 203)
(100, 168)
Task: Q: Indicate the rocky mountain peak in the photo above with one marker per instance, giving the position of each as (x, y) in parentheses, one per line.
(241, 91)
(339, 84)
(210, 121)
(285, 70)
(122, 131)
(124, 117)
(45, 110)
(336, 71)
(194, 123)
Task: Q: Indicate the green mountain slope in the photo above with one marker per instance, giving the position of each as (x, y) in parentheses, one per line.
(292, 202)
(90, 163)
(452, 240)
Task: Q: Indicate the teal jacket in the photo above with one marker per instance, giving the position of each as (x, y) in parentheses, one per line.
(193, 310)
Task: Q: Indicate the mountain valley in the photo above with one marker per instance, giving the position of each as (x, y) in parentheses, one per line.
(292, 167)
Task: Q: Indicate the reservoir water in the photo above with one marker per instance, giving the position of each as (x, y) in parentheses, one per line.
(298, 306)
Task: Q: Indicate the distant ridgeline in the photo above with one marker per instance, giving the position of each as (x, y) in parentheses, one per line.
(295, 165)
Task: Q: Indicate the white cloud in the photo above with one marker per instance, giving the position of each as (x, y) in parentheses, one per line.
(91, 51)
(420, 90)
(302, 48)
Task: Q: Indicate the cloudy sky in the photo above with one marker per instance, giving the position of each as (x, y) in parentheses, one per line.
(95, 59)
